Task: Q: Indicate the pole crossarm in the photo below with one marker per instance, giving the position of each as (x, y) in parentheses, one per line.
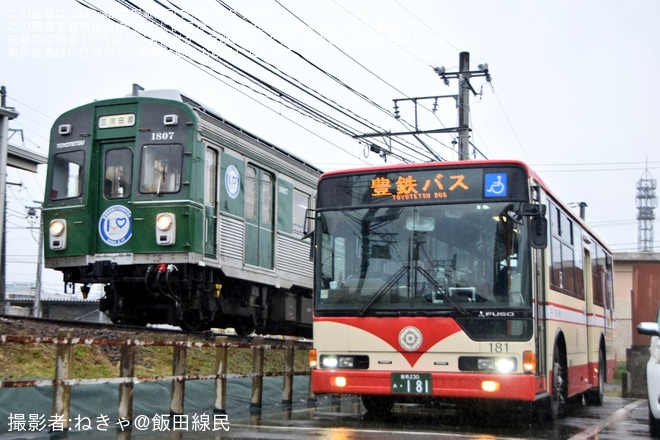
(9, 113)
(403, 133)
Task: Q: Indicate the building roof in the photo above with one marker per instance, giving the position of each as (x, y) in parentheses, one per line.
(24, 159)
(637, 257)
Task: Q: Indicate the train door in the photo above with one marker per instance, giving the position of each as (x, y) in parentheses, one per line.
(115, 219)
(259, 220)
(210, 202)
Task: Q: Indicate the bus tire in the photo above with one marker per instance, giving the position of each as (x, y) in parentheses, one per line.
(557, 401)
(594, 396)
(379, 406)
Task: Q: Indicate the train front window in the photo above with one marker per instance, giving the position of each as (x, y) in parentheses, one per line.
(431, 259)
(161, 169)
(67, 175)
(117, 173)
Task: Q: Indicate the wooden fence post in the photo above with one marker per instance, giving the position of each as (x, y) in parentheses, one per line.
(220, 400)
(257, 379)
(126, 369)
(287, 386)
(178, 385)
(61, 392)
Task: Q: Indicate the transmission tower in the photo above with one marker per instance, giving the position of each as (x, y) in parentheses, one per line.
(646, 204)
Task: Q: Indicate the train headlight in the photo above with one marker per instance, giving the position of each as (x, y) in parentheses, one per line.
(164, 222)
(57, 234)
(165, 229)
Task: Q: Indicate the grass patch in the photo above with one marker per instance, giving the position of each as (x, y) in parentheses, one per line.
(37, 361)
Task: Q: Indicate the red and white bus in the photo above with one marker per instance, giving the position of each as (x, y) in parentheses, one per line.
(458, 280)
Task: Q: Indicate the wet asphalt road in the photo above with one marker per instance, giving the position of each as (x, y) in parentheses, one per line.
(346, 419)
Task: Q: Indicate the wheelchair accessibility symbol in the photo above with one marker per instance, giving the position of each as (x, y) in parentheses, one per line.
(495, 185)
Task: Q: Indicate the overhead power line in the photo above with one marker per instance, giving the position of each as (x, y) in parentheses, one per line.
(276, 94)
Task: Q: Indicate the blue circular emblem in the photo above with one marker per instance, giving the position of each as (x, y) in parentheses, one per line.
(232, 181)
(115, 225)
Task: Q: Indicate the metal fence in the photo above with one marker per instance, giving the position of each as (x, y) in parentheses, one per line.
(126, 380)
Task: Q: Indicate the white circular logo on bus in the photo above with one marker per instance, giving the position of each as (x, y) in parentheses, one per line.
(115, 225)
(232, 181)
(410, 338)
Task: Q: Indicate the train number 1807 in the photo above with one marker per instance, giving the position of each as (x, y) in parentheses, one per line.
(162, 136)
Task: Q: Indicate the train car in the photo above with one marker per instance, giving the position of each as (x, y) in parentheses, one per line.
(184, 218)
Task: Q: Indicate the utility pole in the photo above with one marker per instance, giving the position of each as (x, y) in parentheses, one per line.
(6, 114)
(464, 106)
(462, 103)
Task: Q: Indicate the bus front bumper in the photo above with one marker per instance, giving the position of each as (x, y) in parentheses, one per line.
(521, 387)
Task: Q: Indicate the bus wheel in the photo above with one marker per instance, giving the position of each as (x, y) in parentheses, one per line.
(557, 399)
(594, 396)
(379, 406)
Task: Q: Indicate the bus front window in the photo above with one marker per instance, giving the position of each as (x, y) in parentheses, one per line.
(437, 258)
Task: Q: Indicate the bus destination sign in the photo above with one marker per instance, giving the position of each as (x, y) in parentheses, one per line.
(424, 186)
(437, 185)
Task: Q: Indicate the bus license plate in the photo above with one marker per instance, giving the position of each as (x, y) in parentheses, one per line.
(411, 383)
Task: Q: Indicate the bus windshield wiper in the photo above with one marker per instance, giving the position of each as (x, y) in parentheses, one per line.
(436, 286)
(391, 281)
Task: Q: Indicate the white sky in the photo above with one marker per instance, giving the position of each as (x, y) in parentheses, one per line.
(573, 90)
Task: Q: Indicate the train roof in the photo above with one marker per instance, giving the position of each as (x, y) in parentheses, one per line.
(176, 95)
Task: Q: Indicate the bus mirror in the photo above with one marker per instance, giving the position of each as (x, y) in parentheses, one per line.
(532, 209)
(310, 220)
(538, 232)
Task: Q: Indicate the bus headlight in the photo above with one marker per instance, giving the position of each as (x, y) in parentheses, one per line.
(344, 361)
(488, 364)
(57, 234)
(333, 361)
(165, 229)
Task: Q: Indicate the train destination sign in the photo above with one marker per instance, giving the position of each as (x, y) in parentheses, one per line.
(430, 185)
(117, 121)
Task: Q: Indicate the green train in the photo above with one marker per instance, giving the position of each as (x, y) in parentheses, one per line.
(185, 218)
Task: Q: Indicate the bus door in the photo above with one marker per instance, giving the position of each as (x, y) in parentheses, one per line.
(541, 297)
(210, 202)
(114, 227)
(593, 329)
(259, 219)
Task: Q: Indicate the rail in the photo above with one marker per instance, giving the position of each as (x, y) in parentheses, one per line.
(126, 380)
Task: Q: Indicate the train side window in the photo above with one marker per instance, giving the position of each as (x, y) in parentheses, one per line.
(251, 194)
(67, 175)
(117, 173)
(161, 169)
(210, 176)
(266, 200)
(301, 203)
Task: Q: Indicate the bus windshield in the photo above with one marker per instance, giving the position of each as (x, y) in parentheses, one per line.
(422, 260)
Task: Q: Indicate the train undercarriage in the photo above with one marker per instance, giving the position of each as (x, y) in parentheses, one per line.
(195, 298)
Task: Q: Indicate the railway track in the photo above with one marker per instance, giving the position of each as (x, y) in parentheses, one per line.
(49, 328)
